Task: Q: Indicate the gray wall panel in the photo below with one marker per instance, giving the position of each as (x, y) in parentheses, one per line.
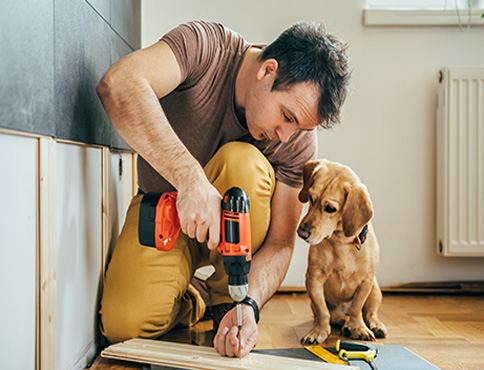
(27, 65)
(126, 20)
(53, 54)
(102, 7)
(82, 45)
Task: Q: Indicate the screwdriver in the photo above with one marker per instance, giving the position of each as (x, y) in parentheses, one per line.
(357, 351)
(239, 324)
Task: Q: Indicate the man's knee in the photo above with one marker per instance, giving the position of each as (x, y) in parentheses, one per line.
(122, 323)
(242, 164)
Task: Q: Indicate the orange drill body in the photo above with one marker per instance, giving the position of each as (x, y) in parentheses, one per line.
(159, 227)
(236, 246)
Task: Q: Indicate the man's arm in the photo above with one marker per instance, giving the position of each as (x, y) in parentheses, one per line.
(270, 263)
(268, 269)
(130, 92)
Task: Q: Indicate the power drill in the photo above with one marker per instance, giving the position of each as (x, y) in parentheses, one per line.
(159, 227)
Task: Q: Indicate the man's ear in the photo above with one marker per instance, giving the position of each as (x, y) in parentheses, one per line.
(308, 171)
(267, 67)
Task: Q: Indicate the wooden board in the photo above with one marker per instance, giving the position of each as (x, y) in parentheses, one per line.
(186, 356)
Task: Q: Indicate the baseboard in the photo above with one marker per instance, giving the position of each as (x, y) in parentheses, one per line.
(289, 290)
(86, 359)
(445, 287)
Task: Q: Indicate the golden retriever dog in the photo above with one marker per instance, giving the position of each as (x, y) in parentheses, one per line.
(343, 255)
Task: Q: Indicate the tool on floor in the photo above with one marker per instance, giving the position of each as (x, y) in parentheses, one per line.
(325, 355)
(159, 227)
(357, 351)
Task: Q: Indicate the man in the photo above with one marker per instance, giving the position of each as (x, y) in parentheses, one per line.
(205, 111)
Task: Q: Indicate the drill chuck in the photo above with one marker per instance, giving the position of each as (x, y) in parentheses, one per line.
(238, 292)
(237, 268)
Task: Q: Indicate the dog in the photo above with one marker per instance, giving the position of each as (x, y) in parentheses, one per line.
(343, 255)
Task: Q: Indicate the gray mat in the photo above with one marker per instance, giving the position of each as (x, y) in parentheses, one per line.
(391, 357)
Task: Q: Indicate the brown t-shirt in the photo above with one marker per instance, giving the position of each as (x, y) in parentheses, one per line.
(201, 109)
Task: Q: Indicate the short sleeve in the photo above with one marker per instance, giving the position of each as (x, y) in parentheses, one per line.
(197, 46)
(296, 154)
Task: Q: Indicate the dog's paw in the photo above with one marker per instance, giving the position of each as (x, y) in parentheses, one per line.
(360, 332)
(316, 335)
(379, 329)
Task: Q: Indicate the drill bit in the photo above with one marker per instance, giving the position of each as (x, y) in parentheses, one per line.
(239, 324)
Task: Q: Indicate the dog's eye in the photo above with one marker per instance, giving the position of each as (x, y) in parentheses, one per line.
(329, 209)
(311, 199)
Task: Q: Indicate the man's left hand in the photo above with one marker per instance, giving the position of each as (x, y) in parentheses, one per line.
(226, 342)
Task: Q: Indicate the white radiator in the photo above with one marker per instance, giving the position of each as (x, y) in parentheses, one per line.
(460, 162)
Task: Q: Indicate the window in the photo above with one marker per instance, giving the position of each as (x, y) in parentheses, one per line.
(423, 4)
(423, 13)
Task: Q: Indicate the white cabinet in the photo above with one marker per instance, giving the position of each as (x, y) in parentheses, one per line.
(18, 251)
(62, 206)
(79, 252)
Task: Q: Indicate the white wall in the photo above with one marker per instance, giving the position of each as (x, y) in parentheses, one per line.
(388, 123)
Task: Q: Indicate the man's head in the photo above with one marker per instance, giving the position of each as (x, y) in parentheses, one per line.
(306, 52)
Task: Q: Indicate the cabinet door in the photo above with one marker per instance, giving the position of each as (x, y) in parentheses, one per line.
(78, 208)
(18, 251)
(121, 193)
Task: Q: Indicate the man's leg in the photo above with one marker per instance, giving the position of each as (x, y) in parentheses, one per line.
(145, 290)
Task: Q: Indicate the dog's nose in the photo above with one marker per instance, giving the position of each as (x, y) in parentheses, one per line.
(303, 233)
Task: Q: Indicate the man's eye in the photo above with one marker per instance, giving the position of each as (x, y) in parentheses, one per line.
(287, 118)
(329, 209)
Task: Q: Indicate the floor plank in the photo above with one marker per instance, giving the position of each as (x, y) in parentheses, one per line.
(447, 331)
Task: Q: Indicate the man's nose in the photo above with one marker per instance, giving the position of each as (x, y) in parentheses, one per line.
(284, 132)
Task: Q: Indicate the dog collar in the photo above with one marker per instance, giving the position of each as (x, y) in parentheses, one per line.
(361, 238)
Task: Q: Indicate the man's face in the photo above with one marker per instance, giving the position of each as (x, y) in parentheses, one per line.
(273, 115)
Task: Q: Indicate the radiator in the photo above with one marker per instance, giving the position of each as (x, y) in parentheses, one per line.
(460, 162)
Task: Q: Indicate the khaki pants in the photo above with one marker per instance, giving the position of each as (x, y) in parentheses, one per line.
(146, 291)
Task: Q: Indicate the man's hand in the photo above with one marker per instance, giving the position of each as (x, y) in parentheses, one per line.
(199, 210)
(226, 342)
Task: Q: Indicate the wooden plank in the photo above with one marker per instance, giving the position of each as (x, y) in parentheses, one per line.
(106, 210)
(186, 356)
(47, 253)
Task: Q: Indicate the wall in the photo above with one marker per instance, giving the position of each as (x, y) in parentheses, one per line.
(388, 123)
(53, 54)
(61, 199)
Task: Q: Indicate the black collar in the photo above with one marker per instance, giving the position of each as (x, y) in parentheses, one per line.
(361, 238)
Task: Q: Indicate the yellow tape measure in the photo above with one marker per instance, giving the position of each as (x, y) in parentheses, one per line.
(325, 355)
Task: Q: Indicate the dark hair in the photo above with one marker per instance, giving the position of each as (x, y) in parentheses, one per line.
(307, 52)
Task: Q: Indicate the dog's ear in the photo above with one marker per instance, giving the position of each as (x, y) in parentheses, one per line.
(308, 170)
(357, 211)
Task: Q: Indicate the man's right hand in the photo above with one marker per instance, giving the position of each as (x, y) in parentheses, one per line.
(199, 210)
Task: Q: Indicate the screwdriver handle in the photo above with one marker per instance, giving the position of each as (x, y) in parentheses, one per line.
(354, 346)
(358, 351)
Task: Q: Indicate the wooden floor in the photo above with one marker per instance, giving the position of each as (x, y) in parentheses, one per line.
(448, 331)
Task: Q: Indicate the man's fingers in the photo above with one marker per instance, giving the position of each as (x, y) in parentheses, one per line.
(202, 230)
(231, 342)
(214, 235)
(247, 344)
(190, 229)
(219, 342)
